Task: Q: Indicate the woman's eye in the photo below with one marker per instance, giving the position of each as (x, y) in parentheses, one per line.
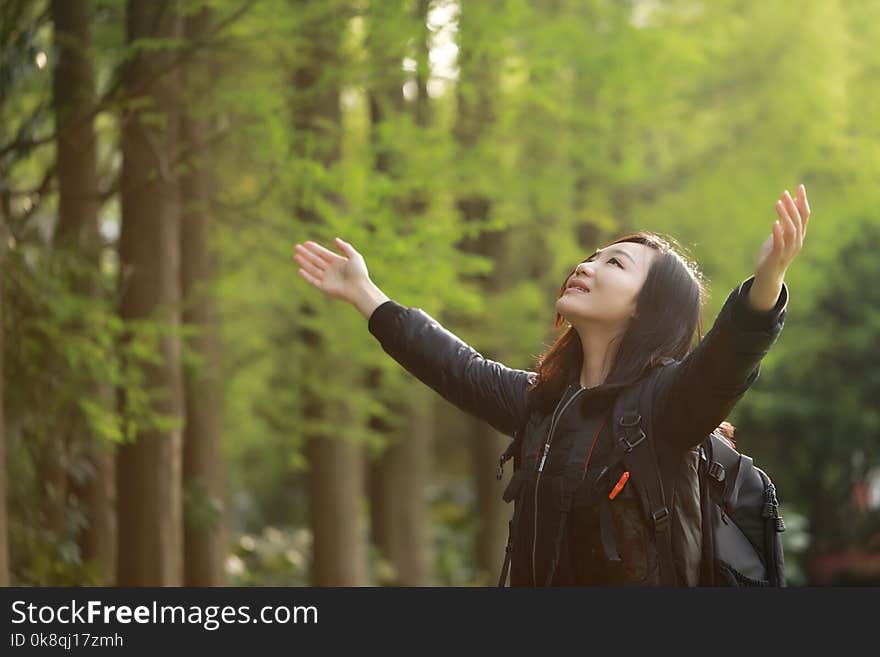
(617, 261)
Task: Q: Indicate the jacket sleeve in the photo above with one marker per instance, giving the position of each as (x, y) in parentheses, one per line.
(479, 386)
(695, 395)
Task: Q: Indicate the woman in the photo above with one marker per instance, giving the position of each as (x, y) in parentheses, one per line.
(631, 309)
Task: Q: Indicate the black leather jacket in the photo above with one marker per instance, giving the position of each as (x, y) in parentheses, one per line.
(692, 397)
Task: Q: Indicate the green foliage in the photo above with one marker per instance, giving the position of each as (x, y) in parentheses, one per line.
(63, 345)
(274, 557)
(454, 531)
(795, 543)
(202, 511)
(42, 557)
(819, 412)
(572, 121)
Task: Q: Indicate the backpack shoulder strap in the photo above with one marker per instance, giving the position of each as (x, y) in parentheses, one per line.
(723, 465)
(514, 448)
(634, 445)
(513, 492)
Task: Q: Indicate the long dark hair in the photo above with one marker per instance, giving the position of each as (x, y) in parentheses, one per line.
(667, 318)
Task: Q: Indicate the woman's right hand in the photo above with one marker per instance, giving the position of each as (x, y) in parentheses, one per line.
(336, 276)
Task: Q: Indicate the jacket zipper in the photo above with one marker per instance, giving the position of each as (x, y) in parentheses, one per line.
(553, 422)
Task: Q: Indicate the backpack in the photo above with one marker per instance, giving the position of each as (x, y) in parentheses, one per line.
(736, 502)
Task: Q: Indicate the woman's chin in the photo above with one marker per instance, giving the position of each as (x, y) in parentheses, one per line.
(566, 302)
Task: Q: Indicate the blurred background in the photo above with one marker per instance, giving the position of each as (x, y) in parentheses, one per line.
(180, 407)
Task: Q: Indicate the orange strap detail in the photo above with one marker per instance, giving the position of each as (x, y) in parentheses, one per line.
(619, 485)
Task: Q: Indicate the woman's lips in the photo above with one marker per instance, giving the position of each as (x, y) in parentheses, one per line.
(576, 289)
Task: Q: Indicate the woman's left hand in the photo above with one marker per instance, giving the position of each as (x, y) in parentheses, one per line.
(786, 239)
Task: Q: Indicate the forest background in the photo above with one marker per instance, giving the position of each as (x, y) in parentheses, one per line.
(179, 407)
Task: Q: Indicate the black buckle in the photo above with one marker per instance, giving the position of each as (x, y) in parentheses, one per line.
(626, 423)
(661, 519)
(630, 445)
(505, 457)
(716, 471)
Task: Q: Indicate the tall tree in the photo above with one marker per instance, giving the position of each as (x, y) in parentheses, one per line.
(78, 238)
(204, 535)
(149, 469)
(398, 508)
(476, 116)
(335, 465)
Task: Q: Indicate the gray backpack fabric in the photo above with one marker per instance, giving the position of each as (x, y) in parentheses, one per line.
(741, 520)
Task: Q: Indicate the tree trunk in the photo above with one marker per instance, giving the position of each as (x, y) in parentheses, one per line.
(335, 488)
(476, 113)
(335, 475)
(487, 446)
(204, 526)
(78, 235)
(149, 470)
(398, 508)
(99, 538)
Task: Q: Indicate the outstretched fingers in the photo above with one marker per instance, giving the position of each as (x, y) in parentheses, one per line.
(786, 228)
(790, 220)
(309, 260)
(797, 219)
(324, 253)
(804, 207)
(309, 278)
(778, 238)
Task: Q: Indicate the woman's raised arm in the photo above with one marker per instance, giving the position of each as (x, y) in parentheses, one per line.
(484, 388)
(696, 395)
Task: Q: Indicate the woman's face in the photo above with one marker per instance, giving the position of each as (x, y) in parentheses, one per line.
(613, 277)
